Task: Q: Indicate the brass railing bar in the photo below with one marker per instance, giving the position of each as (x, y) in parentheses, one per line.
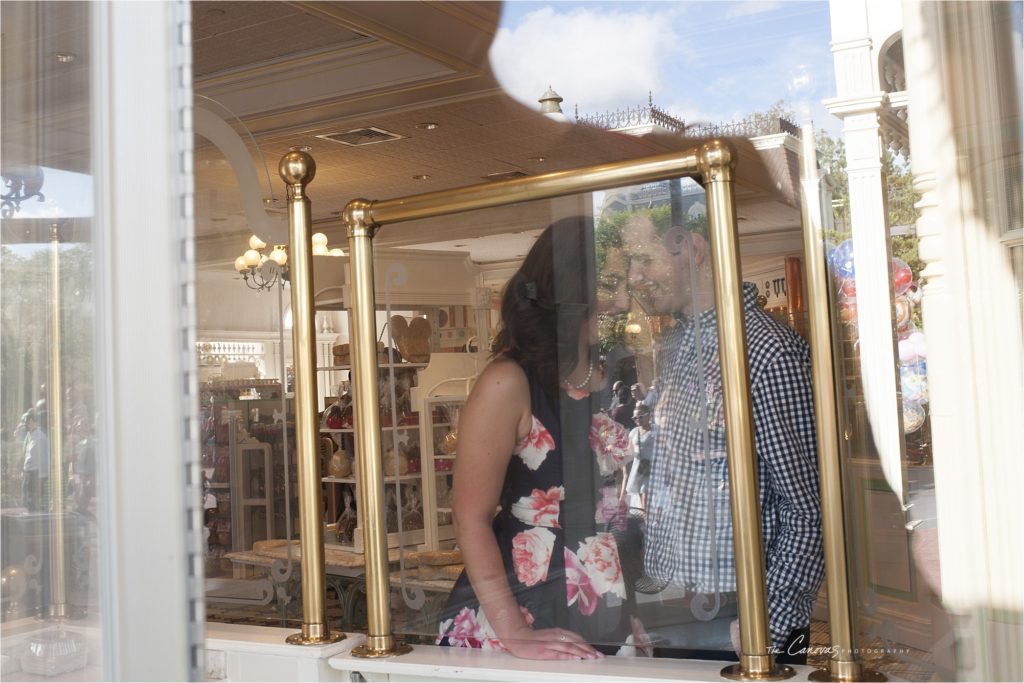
(844, 665)
(718, 160)
(379, 640)
(713, 162)
(298, 169)
(58, 607)
(547, 186)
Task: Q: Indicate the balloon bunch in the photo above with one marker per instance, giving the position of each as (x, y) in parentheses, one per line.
(913, 351)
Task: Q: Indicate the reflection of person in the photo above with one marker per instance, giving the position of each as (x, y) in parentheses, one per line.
(623, 411)
(641, 442)
(542, 578)
(689, 538)
(35, 475)
(617, 395)
(651, 399)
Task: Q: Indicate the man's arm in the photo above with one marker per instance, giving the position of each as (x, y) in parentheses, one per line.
(783, 405)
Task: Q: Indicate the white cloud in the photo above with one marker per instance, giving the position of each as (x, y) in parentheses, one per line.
(745, 9)
(799, 80)
(598, 59)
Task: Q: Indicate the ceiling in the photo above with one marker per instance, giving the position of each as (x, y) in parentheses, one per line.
(294, 72)
(284, 74)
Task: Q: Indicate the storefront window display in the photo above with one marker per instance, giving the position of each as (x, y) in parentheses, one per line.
(560, 361)
(655, 347)
(602, 548)
(95, 405)
(50, 474)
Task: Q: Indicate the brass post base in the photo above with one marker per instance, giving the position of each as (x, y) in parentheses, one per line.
(366, 652)
(303, 639)
(63, 613)
(780, 672)
(867, 675)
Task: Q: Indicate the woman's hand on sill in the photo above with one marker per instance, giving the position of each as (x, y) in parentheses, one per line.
(549, 643)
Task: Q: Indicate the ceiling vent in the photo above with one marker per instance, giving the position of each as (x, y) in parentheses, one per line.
(362, 136)
(505, 175)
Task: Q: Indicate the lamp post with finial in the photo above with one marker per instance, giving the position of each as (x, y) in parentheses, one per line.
(551, 106)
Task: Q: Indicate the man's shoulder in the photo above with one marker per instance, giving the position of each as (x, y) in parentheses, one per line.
(769, 340)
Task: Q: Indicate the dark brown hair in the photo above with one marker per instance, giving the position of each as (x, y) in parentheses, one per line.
(547, 302)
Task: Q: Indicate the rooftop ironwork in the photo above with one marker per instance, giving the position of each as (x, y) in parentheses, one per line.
(651, 115)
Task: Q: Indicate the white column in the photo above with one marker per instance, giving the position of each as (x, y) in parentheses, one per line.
(860, 103)
(151, 562)
(972, 320)
(872, 256)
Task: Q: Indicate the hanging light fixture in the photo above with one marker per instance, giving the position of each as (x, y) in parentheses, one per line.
(262, 271)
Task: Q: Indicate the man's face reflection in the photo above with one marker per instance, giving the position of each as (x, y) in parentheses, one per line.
(659, 281)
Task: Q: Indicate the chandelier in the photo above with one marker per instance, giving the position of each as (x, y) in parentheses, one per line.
(21, 183)
(262, 271)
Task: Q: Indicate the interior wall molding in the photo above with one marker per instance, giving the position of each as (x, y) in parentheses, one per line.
(360, 17)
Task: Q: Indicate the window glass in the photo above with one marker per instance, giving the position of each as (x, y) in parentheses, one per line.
(587, 537)
(247, 414)
(607, 466)
(51, 468)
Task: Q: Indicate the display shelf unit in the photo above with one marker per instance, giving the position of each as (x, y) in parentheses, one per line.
(387, 480)
(392, 436)
(328, 375)
(382, 366)
(244, 470)
(438, 467)
(253, 502)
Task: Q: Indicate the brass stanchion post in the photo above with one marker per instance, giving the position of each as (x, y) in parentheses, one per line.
(756, 662)
(844, 664)
(379, 640)
(55, 408)
(297, 169)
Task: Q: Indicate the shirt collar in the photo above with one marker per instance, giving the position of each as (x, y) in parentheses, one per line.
(749, 291)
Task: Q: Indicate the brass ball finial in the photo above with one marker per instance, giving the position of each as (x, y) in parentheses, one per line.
(297, 168)
(716, 155)
(356, 217)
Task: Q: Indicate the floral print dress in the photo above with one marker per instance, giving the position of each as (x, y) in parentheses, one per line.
(559, 528)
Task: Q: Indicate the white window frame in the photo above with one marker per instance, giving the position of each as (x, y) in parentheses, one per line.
(150, 517)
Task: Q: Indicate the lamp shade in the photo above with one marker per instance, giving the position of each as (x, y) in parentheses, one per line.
(279, 256)
(252, 258)
(240, 265)
(256, 243)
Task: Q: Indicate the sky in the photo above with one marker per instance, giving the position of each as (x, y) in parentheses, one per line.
(705, 61)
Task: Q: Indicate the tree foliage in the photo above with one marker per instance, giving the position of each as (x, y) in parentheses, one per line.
(25, 323)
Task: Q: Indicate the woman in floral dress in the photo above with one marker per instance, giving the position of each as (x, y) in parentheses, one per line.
(543, 577)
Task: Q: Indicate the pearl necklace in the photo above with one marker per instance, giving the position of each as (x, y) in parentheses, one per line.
(586, 380)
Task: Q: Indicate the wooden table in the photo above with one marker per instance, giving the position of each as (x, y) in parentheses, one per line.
(345, 576)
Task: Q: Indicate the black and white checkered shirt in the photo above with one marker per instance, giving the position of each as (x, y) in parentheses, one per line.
(689, 528)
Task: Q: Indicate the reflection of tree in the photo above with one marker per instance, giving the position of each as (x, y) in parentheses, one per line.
(899, 189)
(25, 303)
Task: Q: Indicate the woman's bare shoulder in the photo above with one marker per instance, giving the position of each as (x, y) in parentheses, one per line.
(502, 387)
(504, 374)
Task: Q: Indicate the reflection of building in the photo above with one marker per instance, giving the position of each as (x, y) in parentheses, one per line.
(933, 82)
(771, 244)
(776, 138)
(655, 194)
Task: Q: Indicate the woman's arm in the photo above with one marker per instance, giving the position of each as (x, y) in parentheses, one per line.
(496, 417)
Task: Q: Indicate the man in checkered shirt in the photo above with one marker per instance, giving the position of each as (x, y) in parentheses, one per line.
(689, 529)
